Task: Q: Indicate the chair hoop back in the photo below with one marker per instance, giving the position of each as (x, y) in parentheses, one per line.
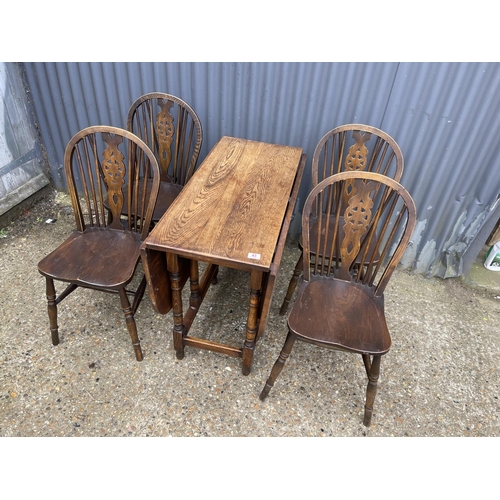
(172, 129)
(103, 165)
(356, 147)
(373, 216)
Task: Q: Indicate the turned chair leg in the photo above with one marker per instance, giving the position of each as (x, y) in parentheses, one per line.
(292, 285)
(131, 326)
(373, 372)
(278, 365)
(52, 310)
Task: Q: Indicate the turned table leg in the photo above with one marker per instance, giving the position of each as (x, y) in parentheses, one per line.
(252, 321)
(179, 328)
(194, 282)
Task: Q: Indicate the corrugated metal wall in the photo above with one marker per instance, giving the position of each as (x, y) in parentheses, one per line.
(445, 117)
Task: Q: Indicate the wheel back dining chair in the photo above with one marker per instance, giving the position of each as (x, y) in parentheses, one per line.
(172, 130)
(337, 306)
(103, 166)
(349, 148)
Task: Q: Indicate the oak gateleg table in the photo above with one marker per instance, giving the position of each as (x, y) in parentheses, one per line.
(235, 211)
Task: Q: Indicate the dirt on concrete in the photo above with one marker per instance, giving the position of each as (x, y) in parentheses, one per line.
(441, 377)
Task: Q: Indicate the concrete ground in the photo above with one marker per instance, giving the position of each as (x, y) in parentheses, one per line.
(440, 379)
(482, 278)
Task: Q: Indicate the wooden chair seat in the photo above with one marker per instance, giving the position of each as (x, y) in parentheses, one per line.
(96, 266)
(166, 196)
(339, 303)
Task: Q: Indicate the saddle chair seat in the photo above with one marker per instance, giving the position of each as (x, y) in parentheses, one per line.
(338, 303)
(96, 265)
(166, 195)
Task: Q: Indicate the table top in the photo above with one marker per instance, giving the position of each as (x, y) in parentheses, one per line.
(231, 210)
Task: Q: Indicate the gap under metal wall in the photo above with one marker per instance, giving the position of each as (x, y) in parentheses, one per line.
(445, 117)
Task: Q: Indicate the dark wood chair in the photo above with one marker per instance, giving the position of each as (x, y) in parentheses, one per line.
(338, 306)
(172, 130)
(349, 148)
(103, 167)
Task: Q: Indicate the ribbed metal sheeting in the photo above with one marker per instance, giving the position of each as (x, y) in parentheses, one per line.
(445, 117)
